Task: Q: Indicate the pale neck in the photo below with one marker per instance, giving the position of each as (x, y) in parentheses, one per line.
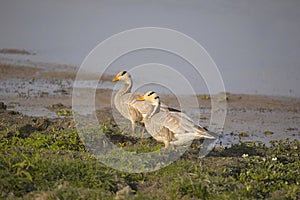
(126, 89)
(155, 109)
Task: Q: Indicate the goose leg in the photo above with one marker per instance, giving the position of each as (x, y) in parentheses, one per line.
(166, 144)
(132, 129)
(143, 130)
(164, 149)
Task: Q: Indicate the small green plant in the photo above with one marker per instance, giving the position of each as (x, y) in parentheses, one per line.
(56, 165)
(268, 133)
(243, 134)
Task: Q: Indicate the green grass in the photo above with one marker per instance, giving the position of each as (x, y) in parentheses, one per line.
(57, 166)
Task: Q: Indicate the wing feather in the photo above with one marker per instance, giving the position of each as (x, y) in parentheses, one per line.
(180, 125)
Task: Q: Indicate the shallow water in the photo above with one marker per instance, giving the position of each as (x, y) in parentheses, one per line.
(254, 123)
(257, 53)
(35, 111)
(34, 88)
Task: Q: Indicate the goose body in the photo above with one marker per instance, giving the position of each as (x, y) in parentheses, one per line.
(169, 127)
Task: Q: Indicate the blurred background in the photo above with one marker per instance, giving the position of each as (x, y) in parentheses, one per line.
(255, 44)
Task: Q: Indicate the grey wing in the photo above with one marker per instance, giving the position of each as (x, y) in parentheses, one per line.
(165, 108)
(163, 120)
(180, 123)
(157, 128)
(143, 107)
(128, 108)
(156, 123)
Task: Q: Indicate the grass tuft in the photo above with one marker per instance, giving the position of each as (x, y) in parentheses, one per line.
(56, 165)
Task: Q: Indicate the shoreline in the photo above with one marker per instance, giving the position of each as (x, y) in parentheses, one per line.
(33, 90)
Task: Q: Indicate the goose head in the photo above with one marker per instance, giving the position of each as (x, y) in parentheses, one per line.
(151, 97)
(122, 76)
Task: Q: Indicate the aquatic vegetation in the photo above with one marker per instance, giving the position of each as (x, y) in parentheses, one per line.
(62, 110)
(268, 133)
(206, 97)
(243, 134)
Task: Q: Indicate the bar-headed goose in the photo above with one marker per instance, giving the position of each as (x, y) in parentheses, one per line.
(174, 128)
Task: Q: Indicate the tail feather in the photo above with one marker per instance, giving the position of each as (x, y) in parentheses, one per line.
(189, 137)
(205, 134)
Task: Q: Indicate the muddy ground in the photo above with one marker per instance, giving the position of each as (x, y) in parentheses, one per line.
(39, 98)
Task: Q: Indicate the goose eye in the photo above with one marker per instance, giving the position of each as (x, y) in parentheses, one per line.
(157, 97)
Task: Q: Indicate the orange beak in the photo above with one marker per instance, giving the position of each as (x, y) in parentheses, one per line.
(140, 99)
(115, 79)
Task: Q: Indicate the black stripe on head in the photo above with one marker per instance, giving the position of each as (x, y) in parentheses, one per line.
(124, 72)
(157, 97)
(151, 93)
